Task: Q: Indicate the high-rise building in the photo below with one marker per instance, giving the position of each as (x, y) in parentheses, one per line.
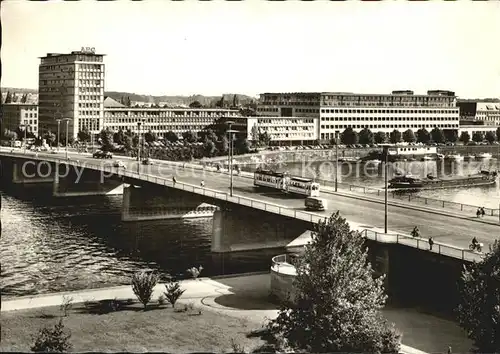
(71, 87)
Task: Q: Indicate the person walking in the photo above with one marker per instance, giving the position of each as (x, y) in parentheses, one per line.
(431, 243)
(478, 212)
(174, 181)
(449, 349)
(202, 184)
(482, 212)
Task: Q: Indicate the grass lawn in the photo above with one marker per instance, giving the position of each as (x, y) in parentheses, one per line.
(123, 326)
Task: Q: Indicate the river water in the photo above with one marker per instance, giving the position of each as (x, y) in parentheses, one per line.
(59, 244)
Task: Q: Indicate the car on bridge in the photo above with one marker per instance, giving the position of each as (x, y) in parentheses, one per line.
(102, 155)
(119, 164)
(147, 162)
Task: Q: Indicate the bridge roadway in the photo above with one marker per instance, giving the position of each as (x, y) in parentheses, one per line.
(445, 229)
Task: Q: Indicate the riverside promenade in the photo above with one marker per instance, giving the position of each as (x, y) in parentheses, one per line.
(247, 297)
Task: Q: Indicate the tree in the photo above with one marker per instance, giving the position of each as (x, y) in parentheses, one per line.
(190, 136)
(24, 98)
(241, 145)
(106, 137)
(464, 137)
(14, 97)
(479, 307)
(338, 301)
(477, 137)
(209, 148)
(150, 137)
(49, 137)
(119, 137)
(349, 137)
(409, 136)
(127, 142)
(366, 136)
(498, 134)
(127, 102)
(437, 135)
(171, 136)
(143, 284)
(173, 292)
(380, 137)
(264, 138)
(8, 97)
(451, 135)
(10, 135)
(223, 145)
(423, 136)
(84, 135)
(235, 101)
(395, 136)
(490, 137)
(195, 104)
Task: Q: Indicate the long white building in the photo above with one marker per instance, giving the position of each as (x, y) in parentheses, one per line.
(332, 113)
(162, 120)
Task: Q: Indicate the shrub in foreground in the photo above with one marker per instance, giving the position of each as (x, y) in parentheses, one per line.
(143, 284)
(173, 292)
(52, 340)
(195, 272)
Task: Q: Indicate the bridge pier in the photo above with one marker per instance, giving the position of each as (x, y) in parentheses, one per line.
(239, 228)
(73, 181)
(157, 203)
(26, 172)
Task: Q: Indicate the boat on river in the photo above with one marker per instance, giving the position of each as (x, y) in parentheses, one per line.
(484, 155)
(483, 178)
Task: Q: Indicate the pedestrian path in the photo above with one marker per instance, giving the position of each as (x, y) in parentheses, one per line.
(247, 297)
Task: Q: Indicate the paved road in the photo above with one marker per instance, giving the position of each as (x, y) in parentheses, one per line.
(445, 229)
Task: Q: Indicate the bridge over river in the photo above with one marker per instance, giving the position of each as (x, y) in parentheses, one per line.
(451, 232)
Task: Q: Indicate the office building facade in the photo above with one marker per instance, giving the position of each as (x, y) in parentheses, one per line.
(20, 115)
(71, 87)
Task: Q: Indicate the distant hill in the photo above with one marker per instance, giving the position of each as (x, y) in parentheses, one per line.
(208, 101)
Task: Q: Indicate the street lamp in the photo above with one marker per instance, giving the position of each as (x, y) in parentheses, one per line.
(230, 156)
(58, 125)
(25, 126)
(229, 123)
(336, 160)
(67, 133)
(385, 153)
(139, 147)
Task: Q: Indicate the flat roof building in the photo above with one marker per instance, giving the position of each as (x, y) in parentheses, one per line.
(15, 115)
(71, 86)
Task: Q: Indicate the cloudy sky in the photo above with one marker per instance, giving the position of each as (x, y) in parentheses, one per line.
(162, 47)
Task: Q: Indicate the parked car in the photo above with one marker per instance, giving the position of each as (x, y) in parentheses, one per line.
(147, 162)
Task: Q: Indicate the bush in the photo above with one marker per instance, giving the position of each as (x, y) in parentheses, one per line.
(162, 300)
(52, 340)
(174, 292)
(195, 272)
(66, 305)
(143, 284)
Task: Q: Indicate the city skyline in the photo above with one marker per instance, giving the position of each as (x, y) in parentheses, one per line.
(225, 47)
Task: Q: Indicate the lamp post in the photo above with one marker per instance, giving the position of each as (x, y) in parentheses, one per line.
(25, 126)
(139, 147)
(230, 156)
(58, 134)
(336, 160)
(67, 133)
(386, 169)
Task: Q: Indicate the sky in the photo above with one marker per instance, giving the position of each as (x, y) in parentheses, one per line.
(160, 47)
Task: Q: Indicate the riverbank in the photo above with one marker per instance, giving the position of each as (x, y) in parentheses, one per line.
(231, 308)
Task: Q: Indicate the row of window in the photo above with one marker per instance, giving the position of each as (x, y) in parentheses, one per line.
(89, 82)
(153, 128)
(168, 113)
(30, 115)
(280, 129)
(155, 120)
(89, 105)
(303, 136)
(284, 121)
(404, 119)
(388, 126)
(392, 111)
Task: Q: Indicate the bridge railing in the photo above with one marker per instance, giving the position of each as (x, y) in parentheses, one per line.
(419, 243)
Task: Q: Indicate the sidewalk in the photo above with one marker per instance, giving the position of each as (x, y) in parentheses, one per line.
(246, 297)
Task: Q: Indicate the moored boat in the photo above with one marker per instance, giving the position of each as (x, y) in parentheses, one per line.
(456, 157)
(412, 182)
(484, 155)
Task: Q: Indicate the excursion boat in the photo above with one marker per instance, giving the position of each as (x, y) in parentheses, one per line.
(482, 178)
(484, 155)
(469, 157)
(427, 158)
